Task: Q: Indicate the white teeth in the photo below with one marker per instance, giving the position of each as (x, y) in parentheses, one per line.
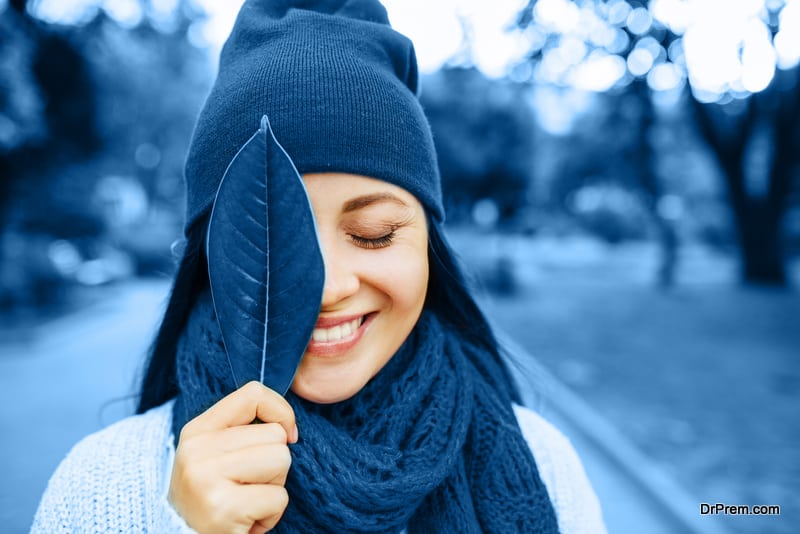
(354, 324)
(320, 334)
(346, 330)
(337, 332)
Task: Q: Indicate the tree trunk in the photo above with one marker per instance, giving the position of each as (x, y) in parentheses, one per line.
(757, 219)
(652, 190)
(761, 244)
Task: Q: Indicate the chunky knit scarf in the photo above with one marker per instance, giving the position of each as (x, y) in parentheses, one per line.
(426, 445)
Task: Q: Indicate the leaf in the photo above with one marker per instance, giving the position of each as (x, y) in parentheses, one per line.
(264, 263)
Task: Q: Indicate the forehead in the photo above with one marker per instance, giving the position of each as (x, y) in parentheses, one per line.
(352, 192)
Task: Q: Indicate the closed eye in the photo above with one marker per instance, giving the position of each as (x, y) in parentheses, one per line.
(373, 242)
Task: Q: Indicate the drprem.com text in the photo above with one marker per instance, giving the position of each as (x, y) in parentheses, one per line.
(739, 509)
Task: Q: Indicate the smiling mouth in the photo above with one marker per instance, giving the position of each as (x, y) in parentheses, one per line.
(339, 331)
(334, 336)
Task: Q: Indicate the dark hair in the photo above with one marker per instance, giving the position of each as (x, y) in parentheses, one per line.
(159, 383)
(449, 296)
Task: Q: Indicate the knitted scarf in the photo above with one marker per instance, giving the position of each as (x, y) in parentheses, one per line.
(427, 445)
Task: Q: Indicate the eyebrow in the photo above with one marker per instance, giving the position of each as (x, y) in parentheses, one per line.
(367, 200)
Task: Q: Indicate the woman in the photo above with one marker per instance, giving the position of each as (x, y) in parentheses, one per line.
(402, 415)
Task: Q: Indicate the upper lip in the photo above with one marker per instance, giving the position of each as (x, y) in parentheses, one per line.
(330, 322)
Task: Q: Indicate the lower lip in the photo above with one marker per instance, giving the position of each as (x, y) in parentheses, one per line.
(340, 346)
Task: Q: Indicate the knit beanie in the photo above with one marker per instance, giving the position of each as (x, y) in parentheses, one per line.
(339, 87)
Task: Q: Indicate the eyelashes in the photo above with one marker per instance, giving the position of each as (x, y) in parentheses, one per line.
(373, 242)
(373, 234)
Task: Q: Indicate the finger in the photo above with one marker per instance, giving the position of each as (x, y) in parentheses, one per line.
(260, 527)
(214, 443)
(241, 437)
(248, 403)
(260, 464)
(264, 503)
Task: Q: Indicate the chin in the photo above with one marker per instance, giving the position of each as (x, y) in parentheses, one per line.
(325, 391)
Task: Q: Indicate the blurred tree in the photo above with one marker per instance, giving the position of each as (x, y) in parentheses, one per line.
(153, 83)
(21, 114)
(21, 117)
(53, 128)
(93, 114)
(759, 191)
(611, 150)
(55, 75)
(750, 126)
(483, 140)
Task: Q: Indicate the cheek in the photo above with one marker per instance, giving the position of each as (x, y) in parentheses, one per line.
(402, 276)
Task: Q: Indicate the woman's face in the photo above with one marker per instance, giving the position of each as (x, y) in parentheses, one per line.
(374, 240)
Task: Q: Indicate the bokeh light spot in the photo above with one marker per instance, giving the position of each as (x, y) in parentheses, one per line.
(127, 13)
(665, 77)
(787, 41)
(618, 11)
(639, 21)
(599, 72)
(640, 61)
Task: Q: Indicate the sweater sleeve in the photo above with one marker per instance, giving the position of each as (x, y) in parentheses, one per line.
(164, 512)
(56, 512)
(576, 505)
(112, 481)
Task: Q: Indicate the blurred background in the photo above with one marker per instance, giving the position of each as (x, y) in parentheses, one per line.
(622, 178)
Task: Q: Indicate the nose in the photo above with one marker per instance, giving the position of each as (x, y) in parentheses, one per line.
(341, 280)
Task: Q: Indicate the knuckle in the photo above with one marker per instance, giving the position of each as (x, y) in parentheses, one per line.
(217, 519)
(285, 457)
(192, 477)
(268, 523)
(186, 444)
(253, 389)
(275, 432)
(219, 507)
(281, 498)
(190, 449)
(185, 470)
(185, 432)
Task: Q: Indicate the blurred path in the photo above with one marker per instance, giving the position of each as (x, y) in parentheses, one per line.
(71, 378)
(636, 495)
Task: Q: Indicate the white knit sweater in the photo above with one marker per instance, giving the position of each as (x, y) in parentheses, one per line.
(116, 480)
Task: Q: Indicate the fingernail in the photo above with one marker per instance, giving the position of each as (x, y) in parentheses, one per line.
(294, 435)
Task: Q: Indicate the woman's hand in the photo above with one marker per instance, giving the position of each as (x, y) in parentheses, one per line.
(229, 475)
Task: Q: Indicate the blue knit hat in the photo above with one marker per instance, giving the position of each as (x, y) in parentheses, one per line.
(339, 87)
